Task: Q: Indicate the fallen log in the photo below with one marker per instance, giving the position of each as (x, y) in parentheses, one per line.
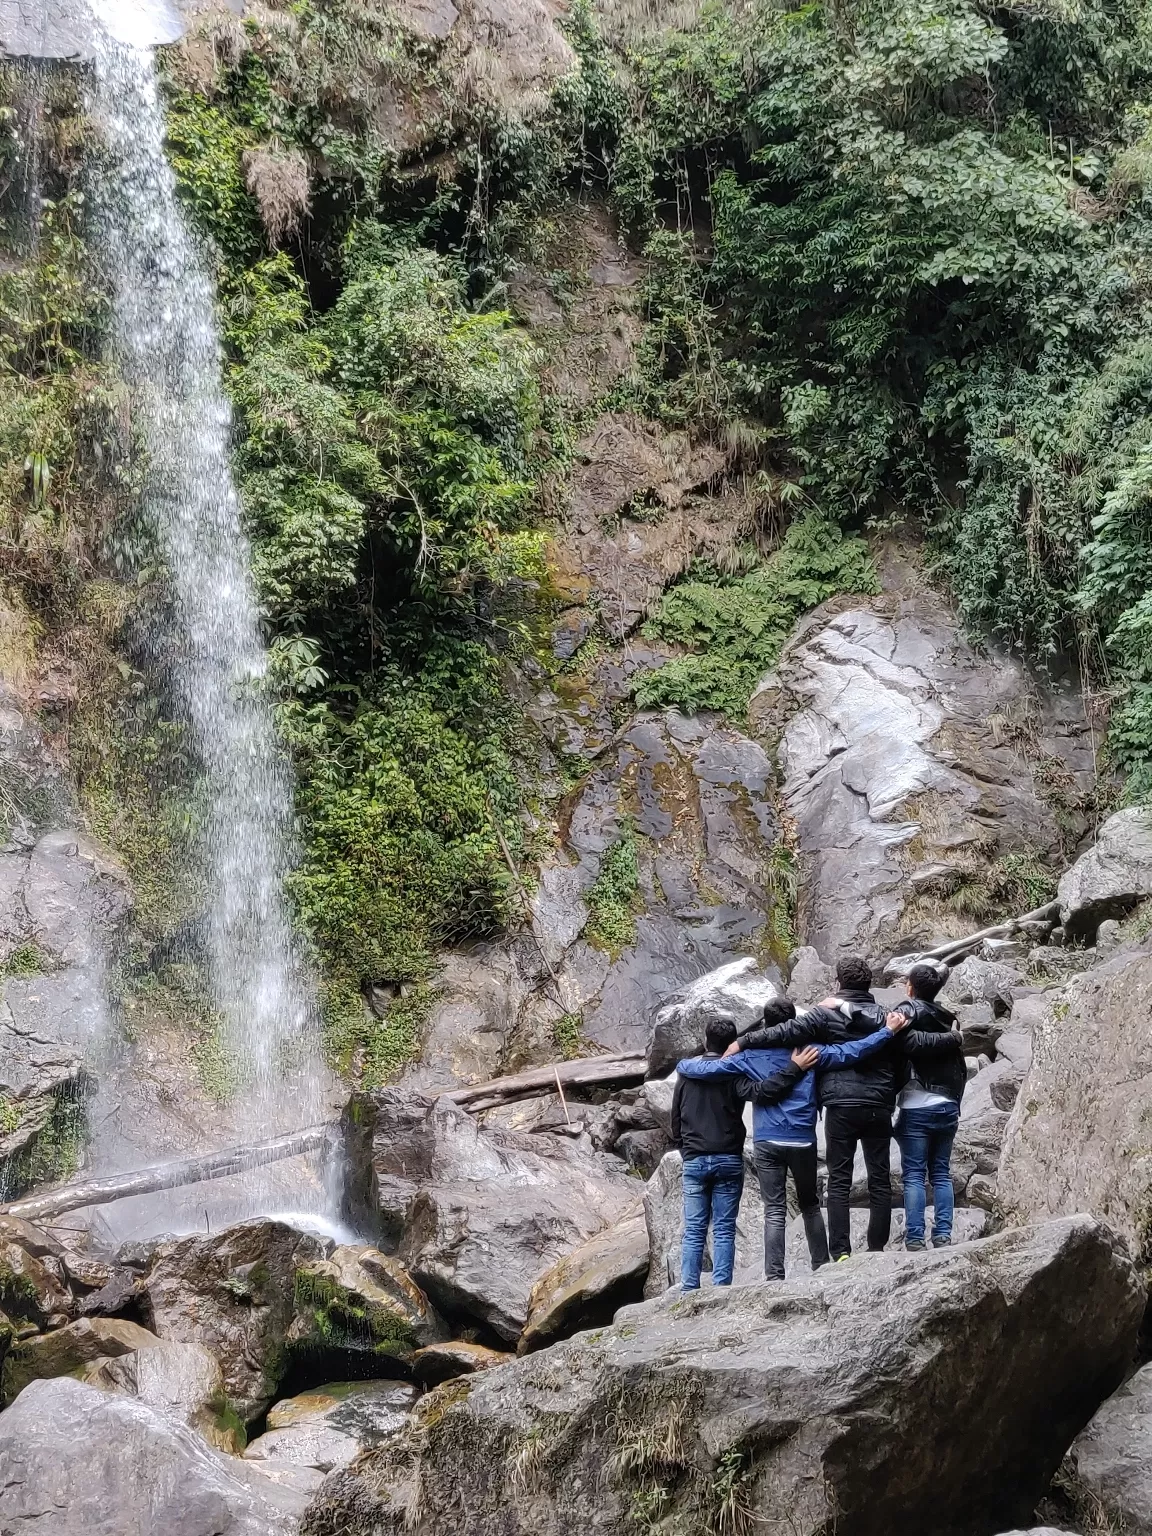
(952, 949)
(587, 1072)
(148, 1181)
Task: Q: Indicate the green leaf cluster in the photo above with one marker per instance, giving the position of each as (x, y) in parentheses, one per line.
(736, 625)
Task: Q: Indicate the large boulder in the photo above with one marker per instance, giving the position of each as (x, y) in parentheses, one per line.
(897, 787)
(1077, 1138)
(329, 1426)
(234, 1292)
(736, 991)
(585, 1287)
(1112, 876)
(360, 1300)
(1111, 1461)
(182, 1381)
(887, 1397)
(68, 1350)
(75, 1461)
(476, 1215)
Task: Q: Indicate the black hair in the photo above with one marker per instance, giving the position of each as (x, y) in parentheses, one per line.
(854, 972)
(719, 1035)
(926, 981)
(777, 1010)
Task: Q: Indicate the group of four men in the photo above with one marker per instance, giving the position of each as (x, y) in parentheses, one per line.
(858, 1062)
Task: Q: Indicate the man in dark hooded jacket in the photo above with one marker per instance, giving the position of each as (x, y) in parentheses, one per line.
(929, 1106)
(857, 1100)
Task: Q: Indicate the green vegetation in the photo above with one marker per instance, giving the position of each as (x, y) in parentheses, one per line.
(737, 625)
(896, 258)
(613, 899)
(26, 959)
(340, 1319)
(568, 1036)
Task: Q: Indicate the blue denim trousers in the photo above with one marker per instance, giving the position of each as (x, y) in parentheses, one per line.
(926, 1136)
(713, 1185)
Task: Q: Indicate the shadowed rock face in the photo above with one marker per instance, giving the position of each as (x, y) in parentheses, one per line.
(65, 29)
(829, 1400)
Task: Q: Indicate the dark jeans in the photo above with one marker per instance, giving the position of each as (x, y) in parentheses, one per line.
(712, 1188)
(844, 1126)
(773, 1164)
(926, 1136)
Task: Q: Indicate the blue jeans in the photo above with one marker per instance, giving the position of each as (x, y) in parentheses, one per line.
(926, 1136)
(713, 1185)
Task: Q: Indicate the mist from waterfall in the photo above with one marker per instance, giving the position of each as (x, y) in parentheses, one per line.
(167, 349)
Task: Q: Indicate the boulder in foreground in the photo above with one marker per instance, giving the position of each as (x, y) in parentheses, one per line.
(1112, 1460)
(78, 1462)
(891, 1396)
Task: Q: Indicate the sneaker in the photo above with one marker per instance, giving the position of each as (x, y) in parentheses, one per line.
(914, 1247)
(941, 1242)
(843, 1259)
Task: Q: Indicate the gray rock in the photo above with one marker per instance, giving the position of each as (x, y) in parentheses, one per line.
(832, 1398)
(1112, 1459)
(476, 1215)
(882, 713)
(182, 1381)
(1114, 874)
(737, 991)
(66, 1350)
(330, 1425)
(656, 1096)
(967, 1226)
(1039, 1530)
(457, 1357)
(809, 978)
(234, 1292)
(586, 1286)
(1078, 1136)
(75, 1461)
(983, 981)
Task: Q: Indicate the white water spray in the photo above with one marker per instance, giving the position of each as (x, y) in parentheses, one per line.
(168, 352)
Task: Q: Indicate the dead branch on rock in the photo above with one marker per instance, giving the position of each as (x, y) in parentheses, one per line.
(147, 1181)
(593, 1071)
(954, 949)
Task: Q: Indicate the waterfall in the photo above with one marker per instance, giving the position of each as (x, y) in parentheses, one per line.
(168, 351)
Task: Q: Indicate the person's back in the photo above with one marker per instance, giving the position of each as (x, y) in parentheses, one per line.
(708, 1128)
(782, 1087)
(929, 1107)
(857, 1100)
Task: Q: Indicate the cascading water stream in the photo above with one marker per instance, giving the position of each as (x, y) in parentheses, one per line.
(168, 352)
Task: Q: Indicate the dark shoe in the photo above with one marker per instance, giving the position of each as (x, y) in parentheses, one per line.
(914, 1247)
(941, 1242)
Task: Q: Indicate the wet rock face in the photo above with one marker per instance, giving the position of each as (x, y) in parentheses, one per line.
(329, 1426)
(80, 1462)
(694, 798)
(235, 1293)
(59, 29)
(1077, 1138)
(475, 1215)
(908, 765)
(182, 1381)
(818, 1397)
(737, 991)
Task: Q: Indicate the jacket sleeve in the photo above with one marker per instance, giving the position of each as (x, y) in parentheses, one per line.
(770, 1090)
(929, 1042)
(793, 1032)
(852, 1051)
(710, 1066)
(677, 1095)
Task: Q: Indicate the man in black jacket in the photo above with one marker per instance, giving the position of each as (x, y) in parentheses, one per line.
(708, 1128)
(857, 1101)
(929, 1104)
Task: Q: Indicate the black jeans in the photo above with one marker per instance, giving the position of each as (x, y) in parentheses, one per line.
(844, 1126)
(773, 1164)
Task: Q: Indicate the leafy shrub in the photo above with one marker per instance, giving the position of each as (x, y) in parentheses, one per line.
(736, 626)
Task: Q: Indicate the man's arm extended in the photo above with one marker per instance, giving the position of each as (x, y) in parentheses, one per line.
(852, 1051)
(710, 1066)
(930, 1042)
(802, 1030)
(771, 1089)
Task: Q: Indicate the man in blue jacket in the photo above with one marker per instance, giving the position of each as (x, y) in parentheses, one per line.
(782, 1086)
